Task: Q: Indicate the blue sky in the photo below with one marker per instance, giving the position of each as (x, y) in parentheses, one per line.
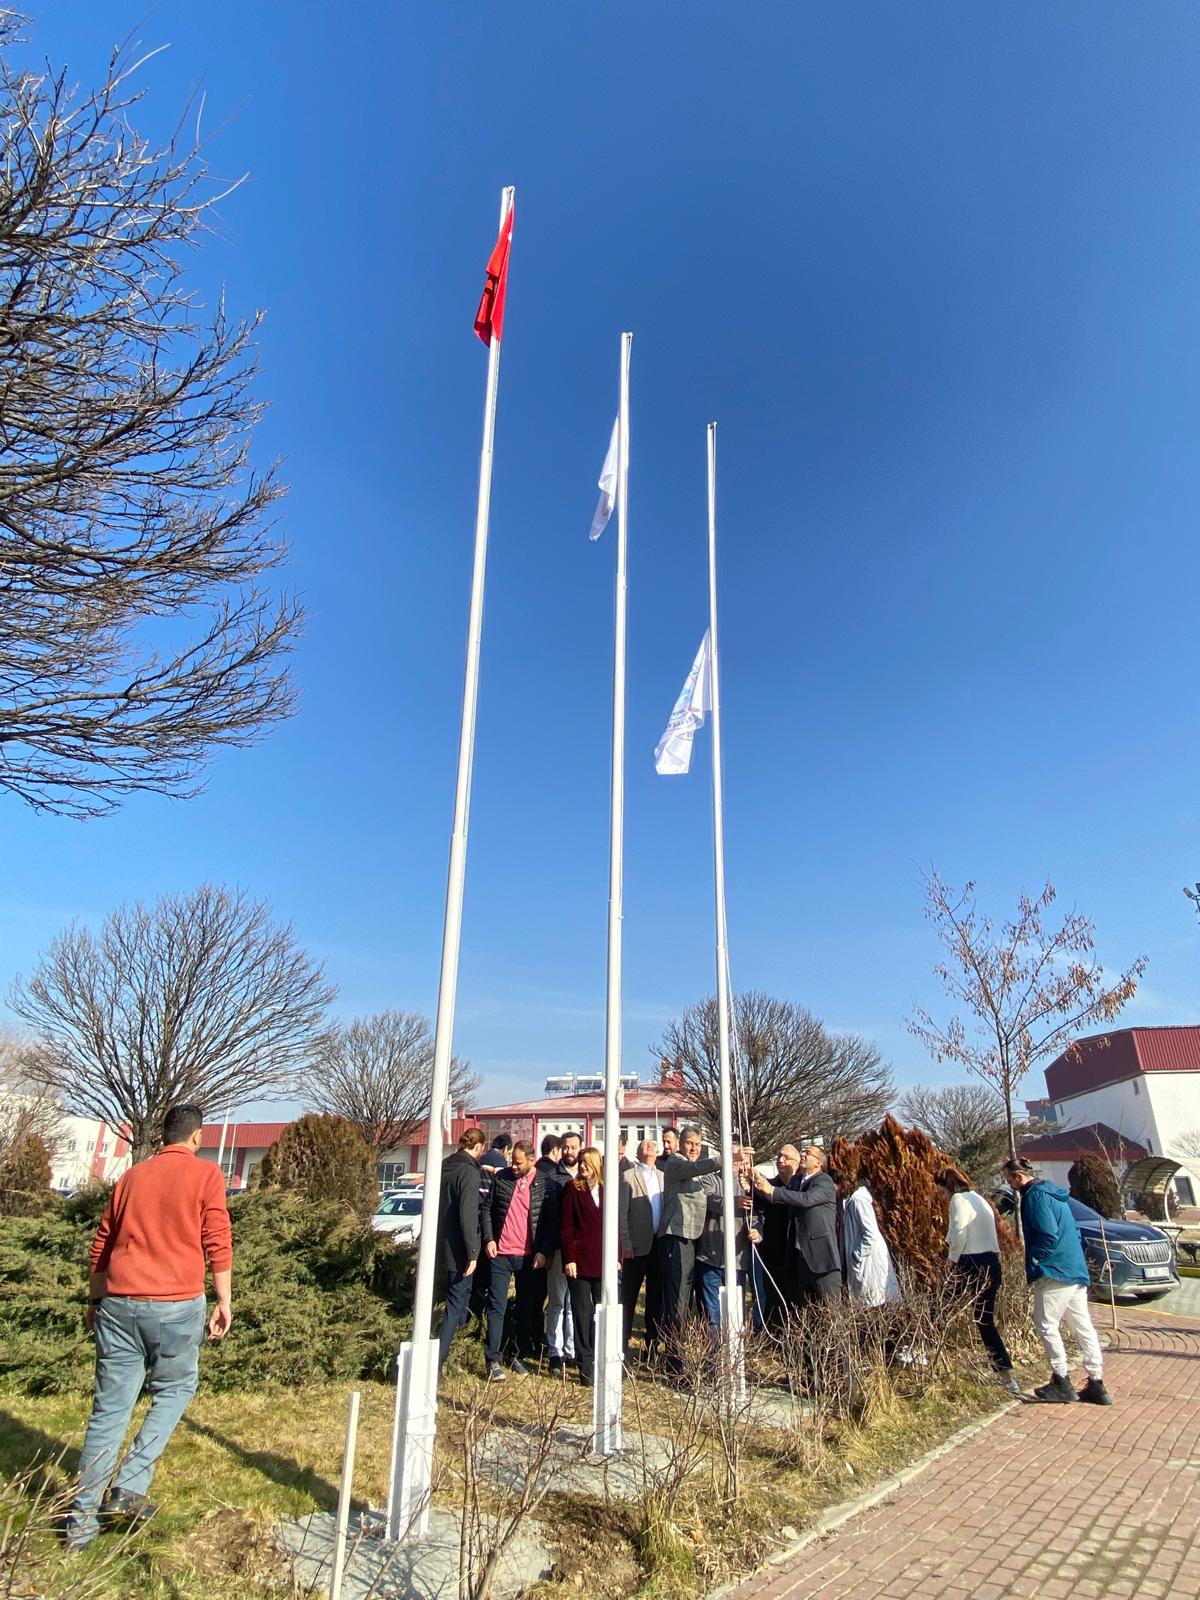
(933, 268)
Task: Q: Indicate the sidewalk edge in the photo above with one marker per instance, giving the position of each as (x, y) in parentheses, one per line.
(836, 1515)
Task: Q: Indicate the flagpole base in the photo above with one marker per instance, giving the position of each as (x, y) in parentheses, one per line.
(413, 1431)
(608, 1379)
(733, 1344)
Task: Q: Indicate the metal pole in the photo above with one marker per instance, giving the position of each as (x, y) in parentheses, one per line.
(221, 1145)
(606, 1399)
(343, 1506)
(731, 1300)
(416, 1409)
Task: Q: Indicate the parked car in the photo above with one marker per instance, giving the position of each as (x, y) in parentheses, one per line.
(399, 1214)
(1140, 1258)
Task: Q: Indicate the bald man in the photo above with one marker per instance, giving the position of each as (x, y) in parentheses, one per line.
(809, 1200)
(778, 1290)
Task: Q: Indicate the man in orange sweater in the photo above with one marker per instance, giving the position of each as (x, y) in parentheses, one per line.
(166, 1218)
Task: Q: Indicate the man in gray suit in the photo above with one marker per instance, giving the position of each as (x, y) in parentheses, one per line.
(811, 1201)
(684, 1208)
(639, 1213)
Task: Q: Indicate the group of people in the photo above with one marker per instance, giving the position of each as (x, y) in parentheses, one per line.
(538, 1222)
(507, 1217)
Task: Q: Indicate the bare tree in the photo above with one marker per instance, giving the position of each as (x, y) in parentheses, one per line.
(1028, 988)
(199, 998)
(133, 530)
(26, 1105)
(966, 1120)
(793, 1077)
(376, 1073)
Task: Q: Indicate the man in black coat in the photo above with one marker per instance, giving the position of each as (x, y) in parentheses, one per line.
(811, 1202)
(458, 1233)
(516, 1228)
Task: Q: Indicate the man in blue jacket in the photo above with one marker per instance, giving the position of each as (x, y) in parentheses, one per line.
(1056, 1267)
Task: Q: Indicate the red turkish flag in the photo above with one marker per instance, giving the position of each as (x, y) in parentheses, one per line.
(489, 319)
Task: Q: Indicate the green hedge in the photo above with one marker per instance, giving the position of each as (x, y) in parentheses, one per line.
(316, 1294)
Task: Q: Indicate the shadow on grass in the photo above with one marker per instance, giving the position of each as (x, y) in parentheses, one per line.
(23, 1447)
(280, 1469)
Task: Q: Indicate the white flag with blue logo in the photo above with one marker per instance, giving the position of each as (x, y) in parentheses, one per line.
(608, 488)
(674, 753)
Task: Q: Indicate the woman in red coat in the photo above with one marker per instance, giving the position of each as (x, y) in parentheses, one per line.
(582, 1235)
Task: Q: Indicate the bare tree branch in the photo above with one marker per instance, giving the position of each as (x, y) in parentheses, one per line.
(376, 1072)
(1029, 989)
(134, 533)
(794, 1078)
(199, 998)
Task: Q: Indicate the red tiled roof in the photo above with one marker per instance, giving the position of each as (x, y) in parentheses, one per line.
(241, 1135)
(1094, 1138)
(1125, 1053)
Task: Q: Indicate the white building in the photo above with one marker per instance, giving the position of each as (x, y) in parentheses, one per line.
(1135, 1093)
(82, 1149)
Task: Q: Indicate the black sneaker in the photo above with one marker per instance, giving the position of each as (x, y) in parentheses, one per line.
(1006, 1380)
(124, 1506)
(496, 1373)
(1094, 1393)
(557, 1366)
(519, 1367)
(1058, 1391)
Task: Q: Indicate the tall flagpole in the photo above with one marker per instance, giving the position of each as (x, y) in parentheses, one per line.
(417, 1375)
(606, 1397)
(731, 1298)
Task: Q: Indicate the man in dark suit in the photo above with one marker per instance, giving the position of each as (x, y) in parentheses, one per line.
(811, 1202)
(458, 1233)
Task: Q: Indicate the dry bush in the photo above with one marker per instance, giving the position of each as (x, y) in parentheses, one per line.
(33, 1566)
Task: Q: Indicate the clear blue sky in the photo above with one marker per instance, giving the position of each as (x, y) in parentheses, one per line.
(933, 267)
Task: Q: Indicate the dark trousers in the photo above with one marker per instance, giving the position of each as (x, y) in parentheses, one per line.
(637, 1270)
(585, 1297)
(480, 1284)
(678, 1260)
(814, 1286)
(458, 1296)
(980, 1275)
(531, 1297)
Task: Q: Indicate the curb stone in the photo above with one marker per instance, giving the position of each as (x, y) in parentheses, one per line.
(836, 1515)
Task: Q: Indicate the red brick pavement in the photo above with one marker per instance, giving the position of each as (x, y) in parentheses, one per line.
(1049, 1501)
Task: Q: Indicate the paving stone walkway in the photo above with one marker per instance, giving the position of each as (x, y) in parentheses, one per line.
(1048, 1502)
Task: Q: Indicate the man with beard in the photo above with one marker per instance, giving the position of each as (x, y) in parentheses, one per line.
(775, 1286)
(809, 1200)
(514, 1232)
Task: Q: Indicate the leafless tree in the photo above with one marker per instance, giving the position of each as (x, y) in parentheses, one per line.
(966, 1120)
(1028, 988)
(376, 1072)
(794, 1079)
(201, 997)
(133, 530)
(26, 1105)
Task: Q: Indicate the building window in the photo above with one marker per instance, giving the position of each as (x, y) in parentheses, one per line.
(390, 1173)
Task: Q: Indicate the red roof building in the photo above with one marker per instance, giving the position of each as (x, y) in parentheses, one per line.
(644, 1115)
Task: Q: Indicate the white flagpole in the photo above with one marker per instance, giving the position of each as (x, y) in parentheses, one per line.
(731, 1298)
(606, 1397)
(417, 1374)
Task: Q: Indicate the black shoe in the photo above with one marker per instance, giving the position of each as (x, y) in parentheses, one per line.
(1094, 1393)
(1058, 1391)
(496, 1373)
(557, 1366)
(585, 1379)
(1006, 1380)
(519, 1367)
(121, 1505)
(73, 1543)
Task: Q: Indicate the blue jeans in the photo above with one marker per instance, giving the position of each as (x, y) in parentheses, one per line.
(711, 1280)
(134, 1338)
(458, 1299)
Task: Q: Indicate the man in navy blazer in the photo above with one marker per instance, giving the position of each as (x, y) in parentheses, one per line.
(811, 1201)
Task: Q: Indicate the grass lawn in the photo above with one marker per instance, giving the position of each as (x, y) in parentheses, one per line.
(239, 1462)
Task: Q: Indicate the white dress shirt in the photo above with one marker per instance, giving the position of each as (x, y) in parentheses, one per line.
(653, 1180)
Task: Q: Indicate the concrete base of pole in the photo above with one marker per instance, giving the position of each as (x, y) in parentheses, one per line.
(733, 1343)
(609, 1375)
(413, 1432)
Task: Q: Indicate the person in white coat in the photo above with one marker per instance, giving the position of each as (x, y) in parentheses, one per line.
(973, 1247)
(870, 1274)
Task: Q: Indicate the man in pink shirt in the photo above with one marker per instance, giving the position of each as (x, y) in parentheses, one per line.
(515, 1240)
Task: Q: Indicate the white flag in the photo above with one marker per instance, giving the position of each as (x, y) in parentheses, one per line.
(674, 753)
(608, 487)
